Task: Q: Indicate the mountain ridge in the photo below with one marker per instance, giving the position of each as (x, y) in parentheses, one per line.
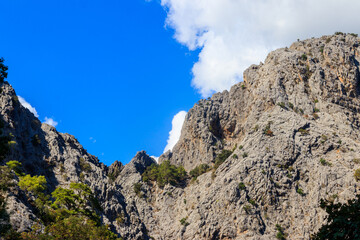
(290, 131)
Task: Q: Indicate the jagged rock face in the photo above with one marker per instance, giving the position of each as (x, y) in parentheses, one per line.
(292, 126)
(325, 69)
(308, 95)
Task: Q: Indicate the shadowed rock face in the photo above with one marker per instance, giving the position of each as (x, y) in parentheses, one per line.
(293, 112)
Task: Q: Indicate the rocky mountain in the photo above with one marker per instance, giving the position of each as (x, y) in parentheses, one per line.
(274, 145)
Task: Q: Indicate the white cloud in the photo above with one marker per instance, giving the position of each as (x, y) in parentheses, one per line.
(175, 132)
(233, 34)
(28, 106)
(93, 140)
(155, 158)
(51, 122)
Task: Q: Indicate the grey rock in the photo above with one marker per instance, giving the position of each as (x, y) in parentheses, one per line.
(299, 106)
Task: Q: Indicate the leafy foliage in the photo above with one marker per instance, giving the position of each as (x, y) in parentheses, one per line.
(200, 169)
(300, 191)
(221, 158)
(242, 186)
(137, 189)
(84, 166)
(15, 166)
(35, 184)
(165, 173)
(184, 222)
(324, 162)
(71, 228)
(280, 234)
(343, 221)
(357, 174)
(267, 131)
(71, 215)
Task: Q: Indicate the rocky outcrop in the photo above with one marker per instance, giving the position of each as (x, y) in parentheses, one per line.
(292, 127)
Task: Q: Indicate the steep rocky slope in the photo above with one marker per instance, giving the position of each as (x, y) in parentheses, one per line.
(292, 127)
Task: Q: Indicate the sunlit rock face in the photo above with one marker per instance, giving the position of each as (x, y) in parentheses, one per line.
(292, 127)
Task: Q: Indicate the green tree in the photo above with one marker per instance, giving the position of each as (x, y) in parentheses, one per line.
(200, 169)
(72, 228)
(343, 221)
(36, 184)
(71, 215)
(15, 166)
(3, 70)
(165, 173)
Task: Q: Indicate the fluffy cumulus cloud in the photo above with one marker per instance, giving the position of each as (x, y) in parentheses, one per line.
(51, 122)
(175, 132)
(28, 106)
(233, 34)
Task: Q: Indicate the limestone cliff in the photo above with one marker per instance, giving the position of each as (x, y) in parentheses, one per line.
(292, 127)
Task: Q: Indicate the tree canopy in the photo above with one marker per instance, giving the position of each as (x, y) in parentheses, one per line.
(343, 221)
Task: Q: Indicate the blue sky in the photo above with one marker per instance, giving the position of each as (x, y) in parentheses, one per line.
(119, 74)
(106, 70)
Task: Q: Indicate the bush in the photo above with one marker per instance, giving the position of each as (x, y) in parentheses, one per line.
(197, 171)
(221, 158)
(324, 162)
(184, 222)
(267, 131)
(137, 189)
(165, 173)
(245, 155)
(304, 57)
(357, 174)
(324, 138)
(300, 191)
(304, 132)
(242, 186)
(84, 166)
(280, 234)
(247, 208)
